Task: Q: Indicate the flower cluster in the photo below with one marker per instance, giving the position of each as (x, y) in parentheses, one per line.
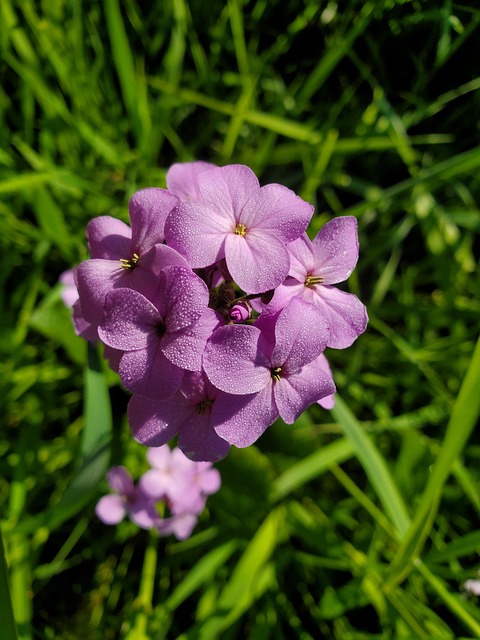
(215, 307)
(174, 483)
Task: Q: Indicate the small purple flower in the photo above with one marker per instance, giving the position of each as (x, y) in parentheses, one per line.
(267, 374)
(472, 586)
(240, 221)
(317, 265)
(126, 499)
(160, 337)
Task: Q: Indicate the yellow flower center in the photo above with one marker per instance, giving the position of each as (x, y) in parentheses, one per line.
(311, 281)
(130, 264)
(276, 373)
(240, 230)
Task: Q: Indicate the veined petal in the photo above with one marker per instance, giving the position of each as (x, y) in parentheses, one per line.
(241, 420)
(234, 362)
(294, 393)
(301, 334)
(336, 249)
(148, 209)
(277, 209)
(108, 238)
(347, 316)
(131, 321)
(182, 297)
(258, 262)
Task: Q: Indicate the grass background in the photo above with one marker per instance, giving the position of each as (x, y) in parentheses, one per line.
(356, 523)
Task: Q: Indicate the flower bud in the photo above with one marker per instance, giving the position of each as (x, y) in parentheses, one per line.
(240, 312)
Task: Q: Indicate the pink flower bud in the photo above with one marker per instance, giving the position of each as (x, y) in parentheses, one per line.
(239, 312)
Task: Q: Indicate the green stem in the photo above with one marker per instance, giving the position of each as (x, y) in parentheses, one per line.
(7, 620)
(147, 585)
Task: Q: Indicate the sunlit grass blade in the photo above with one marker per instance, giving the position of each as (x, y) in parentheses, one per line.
(374, 466)
(311, 467)
(462, 421)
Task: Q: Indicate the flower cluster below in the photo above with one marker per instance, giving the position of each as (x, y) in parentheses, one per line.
(215, 307)
(174, 484)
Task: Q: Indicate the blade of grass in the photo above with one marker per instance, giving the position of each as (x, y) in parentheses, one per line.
(7, 621)
(462, 421)
(374, 466)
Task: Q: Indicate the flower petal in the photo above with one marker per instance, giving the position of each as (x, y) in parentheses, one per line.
(148, 209)
(258, 262)
(149, 373)
(241, 420)
(182, 179)
(109, 238)
(346, 315)
(111, 509)
(294, 393)
(227, 189)
(154, 423)
(185, 348)
(120, 480)
(279, 210)
(301, 334)
(130, 321)
(233, 360)
(336, 249)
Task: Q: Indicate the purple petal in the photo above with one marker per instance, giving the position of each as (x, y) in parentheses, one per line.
(278, 210)
(120, 480)
(294, 393)
(83, 328)
(94, 278)
(199, 441)
(154, 423)
(181, 526)
(109, 238)
(301, 334)
(111, 509)
(197, 231)
(160, 457)
(185, 348)
(336, 249)
(209, 480)
(302, 258)
(233, 360)
(155, 483)
(182, 297)
(182, 179)
(258, 261)
(241, 420)
(346, 315)
(328, 402)
(149, 373)
(148, 211)
(228, 189)
(142, 511)
(131, 321)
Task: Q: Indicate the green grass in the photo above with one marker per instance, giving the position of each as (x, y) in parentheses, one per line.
(351, 524)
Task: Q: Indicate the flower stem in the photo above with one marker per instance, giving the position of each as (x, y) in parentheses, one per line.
(147, 585)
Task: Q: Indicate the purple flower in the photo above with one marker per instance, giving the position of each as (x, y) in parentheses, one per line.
(240, 221)
(189, 412)
(267, 374)
(317, 265)
(160, 337)
(472, 586)
(127, 499)
(328, 402)
(124, 257)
